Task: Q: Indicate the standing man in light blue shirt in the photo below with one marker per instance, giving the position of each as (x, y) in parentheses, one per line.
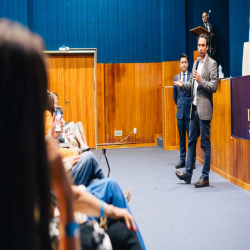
(203, 83)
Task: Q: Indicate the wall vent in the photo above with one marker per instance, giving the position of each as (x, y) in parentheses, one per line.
(118, 132)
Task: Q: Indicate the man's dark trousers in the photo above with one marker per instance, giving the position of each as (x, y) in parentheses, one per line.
(198, 128)
(183, 126)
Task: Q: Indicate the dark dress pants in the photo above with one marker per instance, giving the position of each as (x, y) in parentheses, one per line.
(198, 128)
(183, 127)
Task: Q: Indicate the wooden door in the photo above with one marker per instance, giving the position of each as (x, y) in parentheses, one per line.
(72, 77)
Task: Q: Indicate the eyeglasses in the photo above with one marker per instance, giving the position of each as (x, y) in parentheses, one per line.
(205, 16)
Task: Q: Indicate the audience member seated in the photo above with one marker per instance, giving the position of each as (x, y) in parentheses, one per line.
(114, 206)
(73, 133)
(84, 168)
(25, 179)
(48, 117)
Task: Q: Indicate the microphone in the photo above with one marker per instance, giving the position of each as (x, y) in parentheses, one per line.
(198, 60)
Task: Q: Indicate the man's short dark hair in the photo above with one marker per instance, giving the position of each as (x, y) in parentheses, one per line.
(203, 12)
(183, 55)
(204, 36)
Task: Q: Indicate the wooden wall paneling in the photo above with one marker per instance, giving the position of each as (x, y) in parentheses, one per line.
(154, 97)
(157, 94)
(221, 127)
(170, 70)
(138, 68)
(145, 89)
(110, 105)
(196, 54)
(100, 104)
(171, 135)
(120, 106)
(132, 99)
(87, 89)
(79, 90)
(55, 72)
(141, 108)
(150, 99)
(128, 85)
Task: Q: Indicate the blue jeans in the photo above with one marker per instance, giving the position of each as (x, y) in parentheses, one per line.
(198, 127)
(86, 170)
(110, 192)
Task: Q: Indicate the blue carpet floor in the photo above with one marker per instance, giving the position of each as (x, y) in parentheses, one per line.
(174, 215)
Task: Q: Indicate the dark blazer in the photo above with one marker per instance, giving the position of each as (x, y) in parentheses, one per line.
(206, 87)
(182, 99)
(211, 26)
(213, 44)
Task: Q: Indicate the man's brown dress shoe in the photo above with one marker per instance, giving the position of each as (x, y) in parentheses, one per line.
(180, 165)
(201, 183)
(183, 176)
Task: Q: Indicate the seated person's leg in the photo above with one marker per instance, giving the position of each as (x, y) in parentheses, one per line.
(109, 191)
(87, 169)
(81, 130)
(83, 146)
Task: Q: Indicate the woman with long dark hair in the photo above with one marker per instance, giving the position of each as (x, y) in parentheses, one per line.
(25, 175)
(24, 178)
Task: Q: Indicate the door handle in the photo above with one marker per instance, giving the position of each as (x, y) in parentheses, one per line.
(66, 101)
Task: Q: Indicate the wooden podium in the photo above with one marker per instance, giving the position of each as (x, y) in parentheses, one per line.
(198, 31)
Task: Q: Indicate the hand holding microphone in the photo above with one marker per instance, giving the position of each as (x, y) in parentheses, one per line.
(196, 74)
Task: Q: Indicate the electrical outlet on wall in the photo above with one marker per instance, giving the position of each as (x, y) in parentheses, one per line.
(135, 131)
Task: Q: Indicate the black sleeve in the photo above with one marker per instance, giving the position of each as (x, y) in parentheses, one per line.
(122, 238)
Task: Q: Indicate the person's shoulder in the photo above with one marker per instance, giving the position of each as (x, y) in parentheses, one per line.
(176, 76)
(212, 63)
(211, 60)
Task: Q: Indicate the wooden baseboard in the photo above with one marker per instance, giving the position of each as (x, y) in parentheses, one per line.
(129, 146)
(132, 145)
(231, 178)
(226, 176)
(170, 148)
